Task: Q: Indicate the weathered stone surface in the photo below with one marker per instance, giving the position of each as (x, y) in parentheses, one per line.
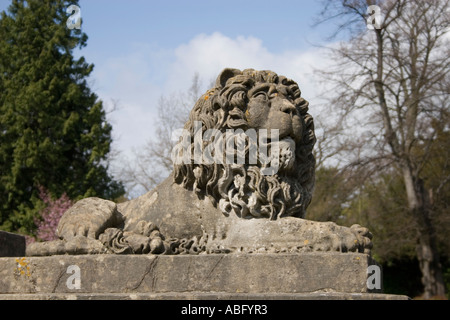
(11, 245)
(215, 273)
(254, 202)
(74, 246)
(204, 296)
(89, 217)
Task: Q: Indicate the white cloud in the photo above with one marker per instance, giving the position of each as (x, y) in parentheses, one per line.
(133, 83)
(137, 80)
(209, 54)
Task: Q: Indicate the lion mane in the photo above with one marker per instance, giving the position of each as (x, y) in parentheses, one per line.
(241, 188)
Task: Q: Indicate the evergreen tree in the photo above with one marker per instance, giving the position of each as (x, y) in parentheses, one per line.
(53, 129)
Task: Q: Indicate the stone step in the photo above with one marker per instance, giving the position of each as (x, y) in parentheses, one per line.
(209, 273)
(11, 245)
(222, 296)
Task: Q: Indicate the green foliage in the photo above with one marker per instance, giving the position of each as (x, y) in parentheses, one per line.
(53, 129)
(447, 280)
(378, 203)
(332, 190)
(382, 207)
(402, 276)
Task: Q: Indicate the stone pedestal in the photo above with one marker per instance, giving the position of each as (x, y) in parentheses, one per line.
(221, 276)
(11, 245)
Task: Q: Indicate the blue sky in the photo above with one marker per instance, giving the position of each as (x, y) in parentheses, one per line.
(153, 30)
(283, 25)
(143, 49)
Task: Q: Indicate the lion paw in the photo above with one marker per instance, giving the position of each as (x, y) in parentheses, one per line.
(354, 239)
(89, 218)
(363, 241)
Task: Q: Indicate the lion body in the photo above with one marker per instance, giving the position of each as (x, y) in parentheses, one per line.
(222, 206)
(199, 197)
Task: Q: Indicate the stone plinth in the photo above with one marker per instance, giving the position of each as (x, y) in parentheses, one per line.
(222, 296)
(11, 245)
(221, 276)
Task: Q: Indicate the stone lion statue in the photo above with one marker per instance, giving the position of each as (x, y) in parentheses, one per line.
(222, 200)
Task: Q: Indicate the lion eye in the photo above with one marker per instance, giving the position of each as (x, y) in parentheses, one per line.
(261, 94)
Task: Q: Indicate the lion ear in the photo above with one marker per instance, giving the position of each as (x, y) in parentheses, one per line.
(225, 75)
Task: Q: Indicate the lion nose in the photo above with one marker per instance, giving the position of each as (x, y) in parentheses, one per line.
(288, 108)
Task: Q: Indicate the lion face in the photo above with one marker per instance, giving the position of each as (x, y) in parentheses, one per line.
(271, 107)
(259, 100)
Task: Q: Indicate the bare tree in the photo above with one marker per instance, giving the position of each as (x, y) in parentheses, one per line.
(391, 82)
(152, 162)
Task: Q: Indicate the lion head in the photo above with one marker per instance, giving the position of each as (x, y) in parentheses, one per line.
(242, 102)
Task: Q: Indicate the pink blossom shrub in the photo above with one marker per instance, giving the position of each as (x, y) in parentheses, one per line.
(50, 215)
